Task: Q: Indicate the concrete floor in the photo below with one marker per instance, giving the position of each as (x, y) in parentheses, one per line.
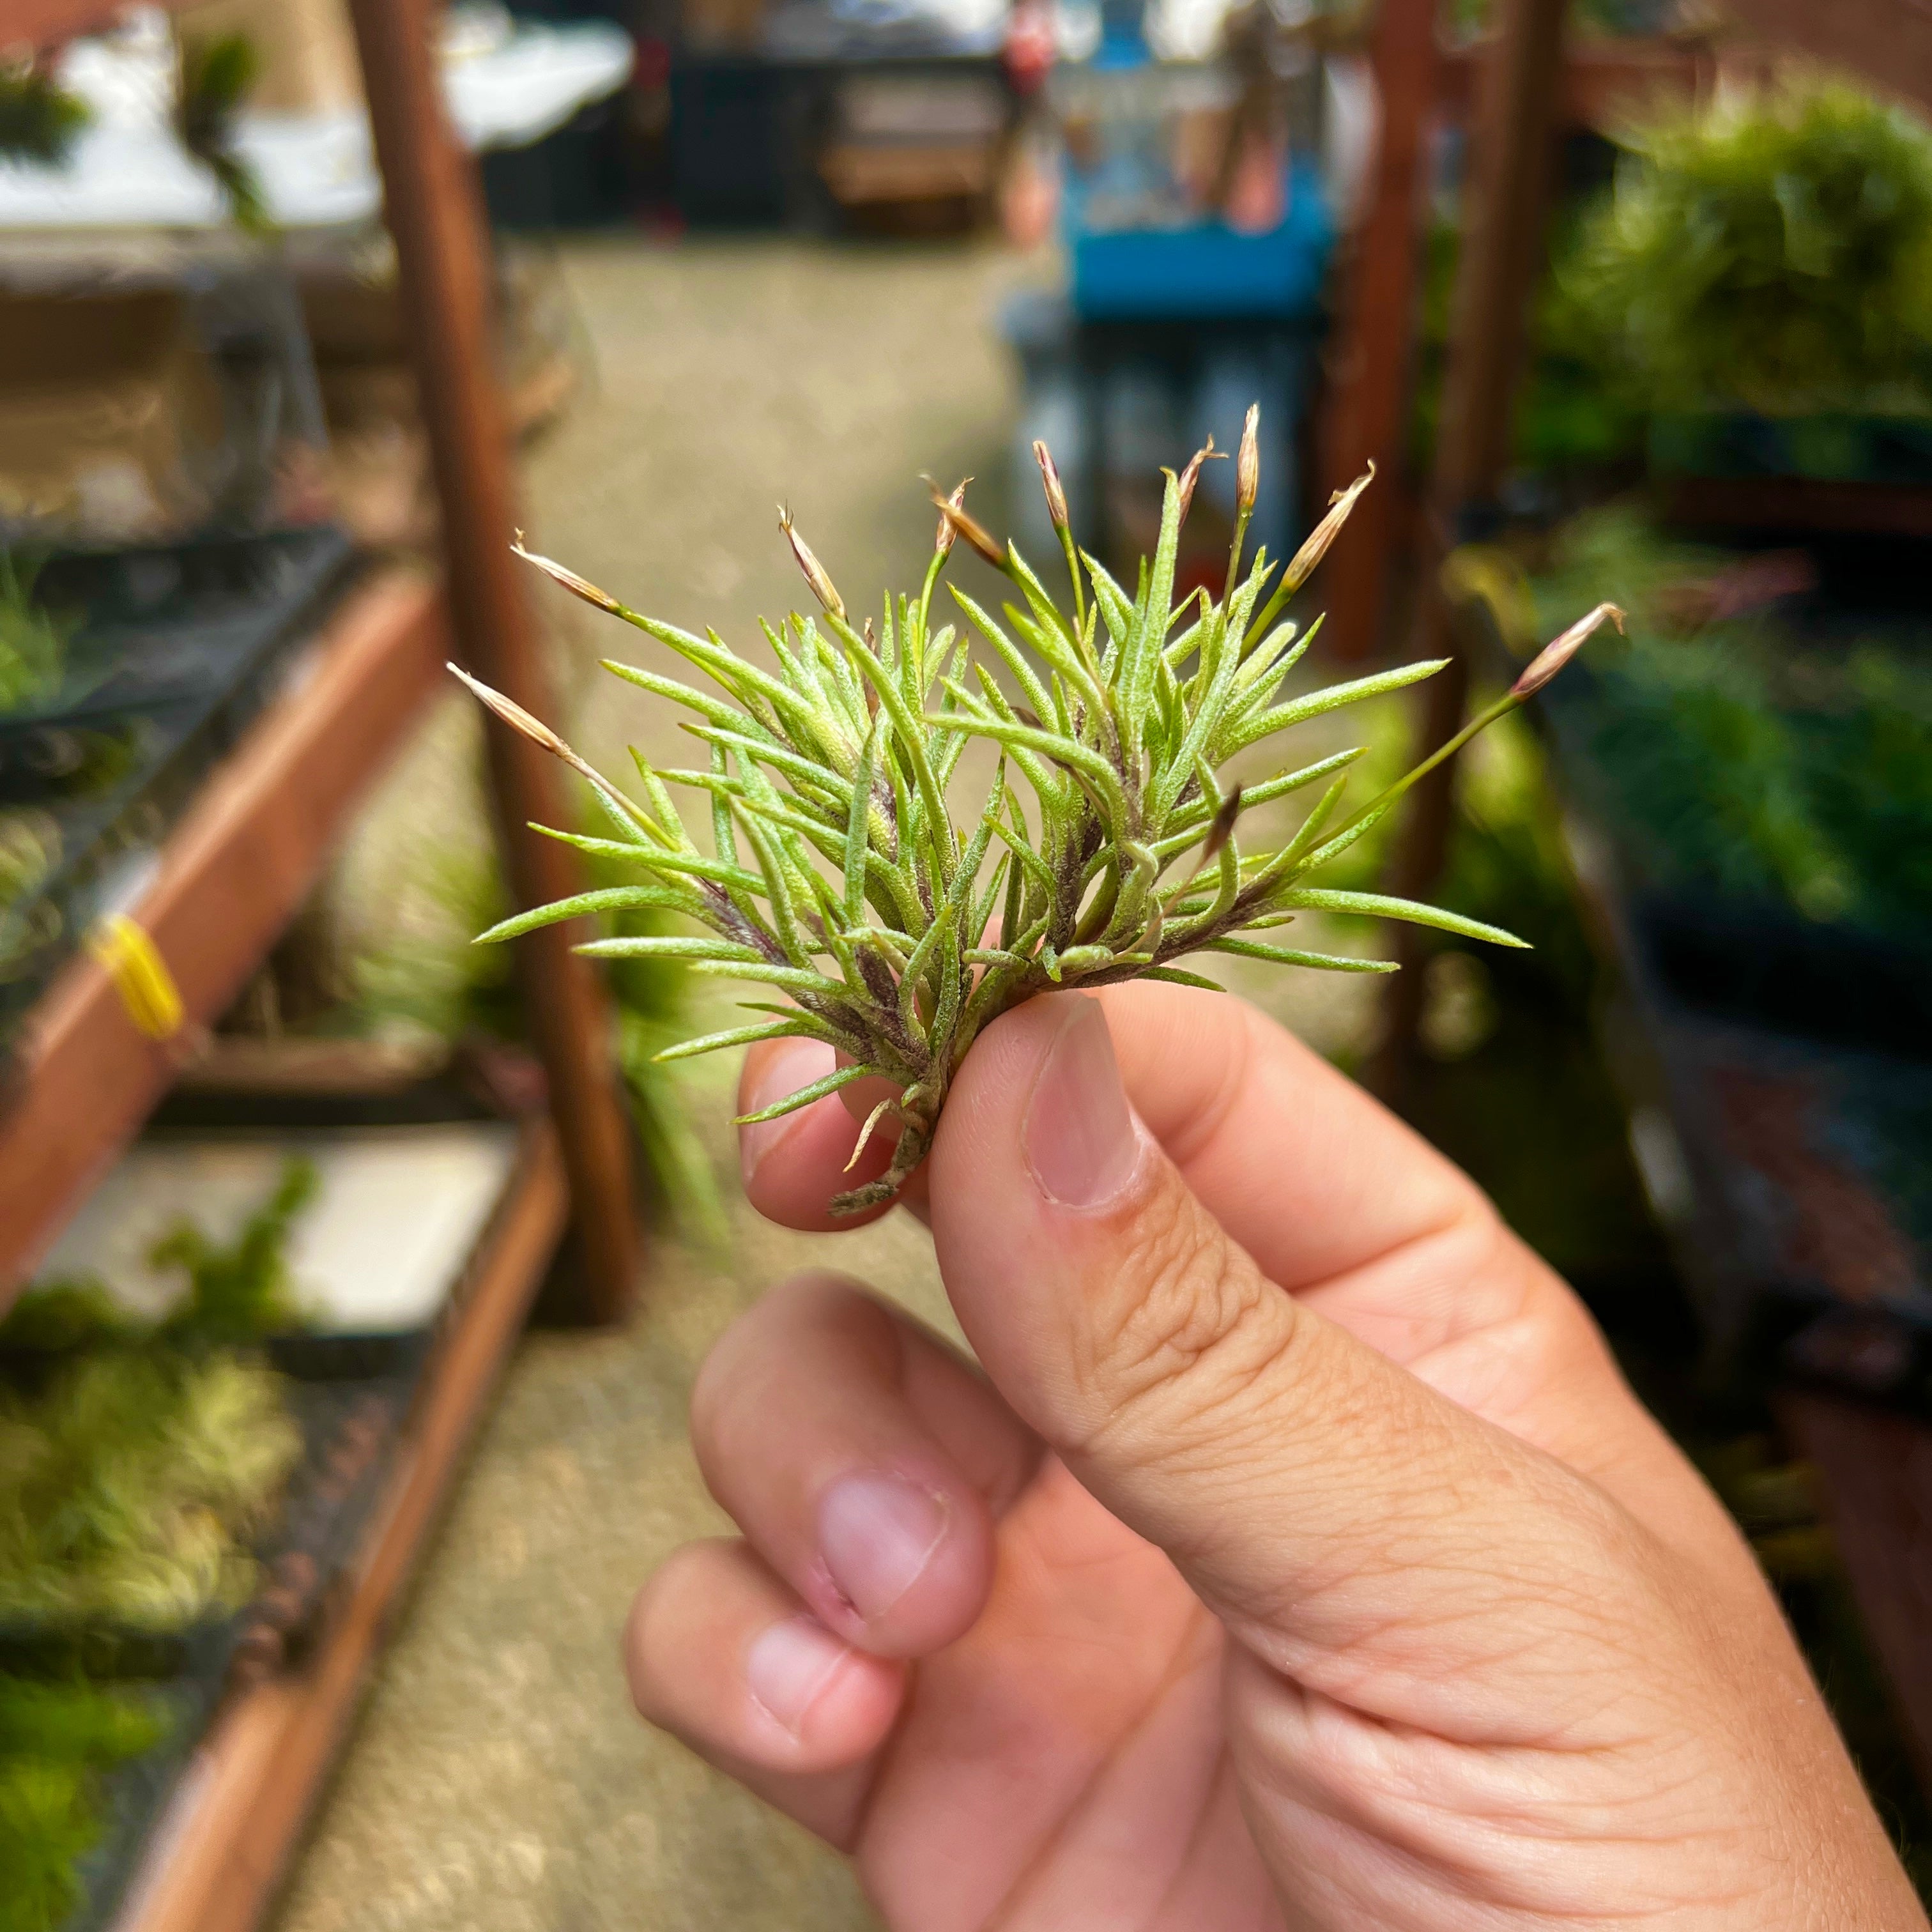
(499, 1781)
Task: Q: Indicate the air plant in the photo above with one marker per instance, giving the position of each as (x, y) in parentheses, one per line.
(837, 876)
(130, 1484)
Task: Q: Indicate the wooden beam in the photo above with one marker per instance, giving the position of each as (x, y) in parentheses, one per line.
(44, 23)
(1603, 81)
(434, 212)
(1887, 42)
(232, 874)
(219, 1854)
(1512, 141)
(1369, 376)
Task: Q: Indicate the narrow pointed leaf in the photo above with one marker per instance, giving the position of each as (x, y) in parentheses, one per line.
(1379, 905)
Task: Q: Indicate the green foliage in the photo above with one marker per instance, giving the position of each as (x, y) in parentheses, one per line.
(424, 973)
(1567, 415)
(30, 849)
(56, 1738)
(129, 1483)
(216, 75)
(40, 121)
(837, 876)
(1735, 757)
(1610, 18)
(237, 1291)
(416, 971)
(31, 845)
(1773, 251)
(33, 640)
(56, 1318)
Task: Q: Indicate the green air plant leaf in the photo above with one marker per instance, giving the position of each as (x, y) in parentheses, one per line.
(840, 877)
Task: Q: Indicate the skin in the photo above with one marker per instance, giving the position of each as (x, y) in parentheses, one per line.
(1296, 1557)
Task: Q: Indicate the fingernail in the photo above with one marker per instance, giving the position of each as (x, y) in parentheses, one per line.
(793, 1064)
(1080, 1137)
(789, 1664)
(876, 1534)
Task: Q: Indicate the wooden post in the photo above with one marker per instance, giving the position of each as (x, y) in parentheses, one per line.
(1370, 380)
(1505, 201)
(434, 213)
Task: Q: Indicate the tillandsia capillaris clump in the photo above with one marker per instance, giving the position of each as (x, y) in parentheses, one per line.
(838, 876)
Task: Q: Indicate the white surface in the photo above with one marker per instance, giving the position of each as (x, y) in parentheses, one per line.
(128, 170)
(395, 1217)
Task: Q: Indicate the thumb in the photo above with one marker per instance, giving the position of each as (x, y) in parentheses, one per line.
(1328, 1506)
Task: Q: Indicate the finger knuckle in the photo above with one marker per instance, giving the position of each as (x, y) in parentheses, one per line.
(813, 1301)
(1188, 1330)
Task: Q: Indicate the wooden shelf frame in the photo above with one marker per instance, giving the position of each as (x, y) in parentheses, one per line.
(232, 875)
(433, 209)
(224, 1845)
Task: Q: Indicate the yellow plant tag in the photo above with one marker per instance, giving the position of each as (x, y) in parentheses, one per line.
(140, 975)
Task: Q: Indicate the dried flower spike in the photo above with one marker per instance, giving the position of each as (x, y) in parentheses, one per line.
(1049, 477)
(1248, 463)
(952, 518)
(842, 874)
(1554, 656)
(822, 587)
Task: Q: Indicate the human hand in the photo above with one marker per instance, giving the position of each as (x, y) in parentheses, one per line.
(1301, 1558)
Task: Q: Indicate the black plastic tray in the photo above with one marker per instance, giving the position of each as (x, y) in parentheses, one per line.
(164, 624)
(114, 776)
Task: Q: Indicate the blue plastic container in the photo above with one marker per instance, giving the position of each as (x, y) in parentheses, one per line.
(1203, 270)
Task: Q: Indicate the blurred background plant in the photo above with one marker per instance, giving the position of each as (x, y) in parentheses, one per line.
(40, 121)
(414, 967)
(235, 1291)
(216, 75)
(130, 1484)
(1769, 249)
(33, 639)
(1738, 755)
(58, 1739)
